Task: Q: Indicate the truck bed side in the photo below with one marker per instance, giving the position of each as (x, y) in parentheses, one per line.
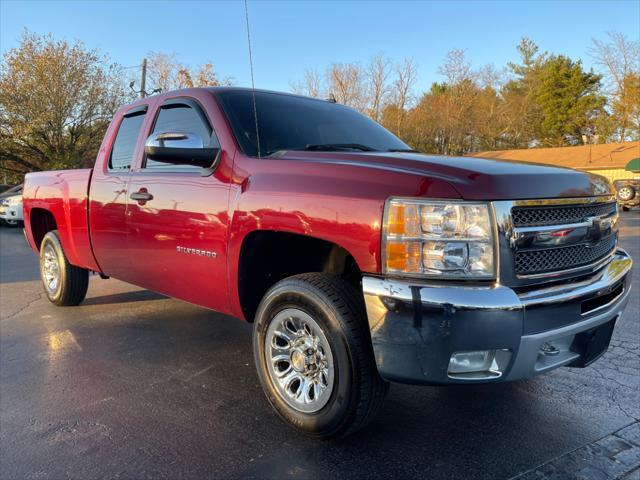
(60, 197)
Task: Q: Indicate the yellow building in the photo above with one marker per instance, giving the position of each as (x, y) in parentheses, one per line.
(607, 159)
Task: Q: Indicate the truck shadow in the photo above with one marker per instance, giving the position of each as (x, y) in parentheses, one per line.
(125, 297)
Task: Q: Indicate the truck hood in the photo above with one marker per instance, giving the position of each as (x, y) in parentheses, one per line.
(474, 178)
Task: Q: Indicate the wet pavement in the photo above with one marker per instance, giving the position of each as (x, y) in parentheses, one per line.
(134, 385)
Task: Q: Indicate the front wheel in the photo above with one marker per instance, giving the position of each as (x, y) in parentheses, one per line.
(64, 284)
(314, 356)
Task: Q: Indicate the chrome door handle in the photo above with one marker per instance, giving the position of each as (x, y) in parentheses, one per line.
(142, 196)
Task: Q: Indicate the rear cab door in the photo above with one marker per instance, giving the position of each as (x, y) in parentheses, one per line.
(177, 239)
(108, 191)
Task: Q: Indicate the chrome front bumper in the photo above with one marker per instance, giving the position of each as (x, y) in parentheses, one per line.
(417, 327)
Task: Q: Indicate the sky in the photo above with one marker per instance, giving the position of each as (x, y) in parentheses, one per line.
(290, 36)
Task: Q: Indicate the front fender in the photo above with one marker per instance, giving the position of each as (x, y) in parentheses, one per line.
(342, 204)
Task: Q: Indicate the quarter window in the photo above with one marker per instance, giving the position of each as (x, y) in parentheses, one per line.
(125, 142)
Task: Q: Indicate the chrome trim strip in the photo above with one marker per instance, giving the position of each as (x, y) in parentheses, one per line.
(427, 238)
(495, 297)
(558, 273)
(551, 228)
(615, 271)
(552, 202)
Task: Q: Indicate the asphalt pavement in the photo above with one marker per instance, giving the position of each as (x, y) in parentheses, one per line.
(134, 385)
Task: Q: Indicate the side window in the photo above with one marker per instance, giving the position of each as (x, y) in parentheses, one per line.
(185, 118)
(125, 142)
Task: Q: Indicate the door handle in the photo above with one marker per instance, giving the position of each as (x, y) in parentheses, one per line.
(142, 196)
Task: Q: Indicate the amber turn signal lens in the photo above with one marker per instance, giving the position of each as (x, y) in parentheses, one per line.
(396, 219)
(403, 256)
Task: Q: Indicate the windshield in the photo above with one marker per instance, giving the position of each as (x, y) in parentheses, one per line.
(287, 122)
(15, 190)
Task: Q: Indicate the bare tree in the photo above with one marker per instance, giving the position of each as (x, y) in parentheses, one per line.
(166, 73)
(346, 84)
(161, 71)
(406, 76)
(206, 76)
(455, 67)
(620, 57)
(378, 73)
(312, 86)
(183, 77)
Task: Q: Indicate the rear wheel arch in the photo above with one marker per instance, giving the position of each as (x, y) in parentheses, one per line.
(41, 222)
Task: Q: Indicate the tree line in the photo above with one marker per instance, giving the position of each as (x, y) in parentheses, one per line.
(542, 100)
(56, 99)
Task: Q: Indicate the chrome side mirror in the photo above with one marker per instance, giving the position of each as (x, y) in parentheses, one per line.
(180, 148)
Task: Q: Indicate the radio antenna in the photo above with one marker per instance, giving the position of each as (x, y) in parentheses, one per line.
(253, 85)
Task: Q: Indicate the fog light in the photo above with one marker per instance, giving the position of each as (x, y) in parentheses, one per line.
(470, 362)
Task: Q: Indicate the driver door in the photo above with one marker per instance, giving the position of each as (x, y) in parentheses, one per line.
(177, 217)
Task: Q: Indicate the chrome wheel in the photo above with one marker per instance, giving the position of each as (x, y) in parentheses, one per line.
(50, 269)
(625, 193)
(299, 360)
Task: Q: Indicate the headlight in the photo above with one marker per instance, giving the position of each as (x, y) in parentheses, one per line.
(438, 238)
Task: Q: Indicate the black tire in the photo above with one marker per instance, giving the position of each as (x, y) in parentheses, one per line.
(625, 208)
(72, 282)
(358, 390)
(12, 223)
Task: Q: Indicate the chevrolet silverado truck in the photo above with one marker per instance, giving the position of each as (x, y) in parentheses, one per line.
(359, 261)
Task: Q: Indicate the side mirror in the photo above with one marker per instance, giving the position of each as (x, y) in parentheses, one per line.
(180, 148)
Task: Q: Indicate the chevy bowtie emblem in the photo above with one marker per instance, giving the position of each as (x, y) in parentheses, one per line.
(594, 232)
(196, 251)
(561, 233)
(588, 231)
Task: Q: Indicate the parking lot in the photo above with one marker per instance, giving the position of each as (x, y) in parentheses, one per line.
(134, 385)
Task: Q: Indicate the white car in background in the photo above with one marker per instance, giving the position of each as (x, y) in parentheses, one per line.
(11, 210)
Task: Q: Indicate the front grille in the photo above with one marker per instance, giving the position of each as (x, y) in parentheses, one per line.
(558, 215)
(563, 258)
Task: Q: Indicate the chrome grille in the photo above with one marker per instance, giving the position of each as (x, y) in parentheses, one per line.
(563, 258)
(558, 215)
(554, 238)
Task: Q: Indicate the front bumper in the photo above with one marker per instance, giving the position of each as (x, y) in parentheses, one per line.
(417, 327)
(11, 212)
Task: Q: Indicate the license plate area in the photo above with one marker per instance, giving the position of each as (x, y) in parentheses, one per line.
(591, 344)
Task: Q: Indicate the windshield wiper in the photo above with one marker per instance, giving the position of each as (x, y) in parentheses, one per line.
(404, 150)
(338, 146)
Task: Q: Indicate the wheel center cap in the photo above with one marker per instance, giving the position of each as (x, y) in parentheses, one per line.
(298, 360)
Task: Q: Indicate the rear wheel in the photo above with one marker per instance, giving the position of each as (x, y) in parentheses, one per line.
(314, 355)
(64, 284)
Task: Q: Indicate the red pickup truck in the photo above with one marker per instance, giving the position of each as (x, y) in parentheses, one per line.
(359, 261)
